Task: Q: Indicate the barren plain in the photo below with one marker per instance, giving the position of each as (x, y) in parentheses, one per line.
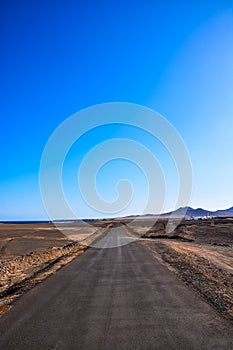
(200, 252)
(30, 252)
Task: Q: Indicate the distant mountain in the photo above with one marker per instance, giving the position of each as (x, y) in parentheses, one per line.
(199, 212)
(226, 212)
(187, 213)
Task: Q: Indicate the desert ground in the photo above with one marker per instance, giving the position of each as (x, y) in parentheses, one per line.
(29, 252)
(200, 252)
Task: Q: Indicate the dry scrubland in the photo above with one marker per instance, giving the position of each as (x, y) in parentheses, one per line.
(200, 252)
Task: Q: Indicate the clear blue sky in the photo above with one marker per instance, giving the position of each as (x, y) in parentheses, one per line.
(61, 56)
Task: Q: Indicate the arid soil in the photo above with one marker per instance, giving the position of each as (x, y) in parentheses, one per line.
(200, 253)
(19, 239)
(31, 252)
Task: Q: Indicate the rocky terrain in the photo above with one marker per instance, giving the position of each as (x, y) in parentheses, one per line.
(30, 252)
(200, 252)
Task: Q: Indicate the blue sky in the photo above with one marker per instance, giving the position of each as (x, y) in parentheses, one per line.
(62, 56)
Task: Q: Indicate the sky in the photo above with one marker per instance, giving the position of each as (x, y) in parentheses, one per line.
(60, 57)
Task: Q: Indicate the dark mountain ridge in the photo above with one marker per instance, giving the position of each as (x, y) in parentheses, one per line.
(199, 212)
